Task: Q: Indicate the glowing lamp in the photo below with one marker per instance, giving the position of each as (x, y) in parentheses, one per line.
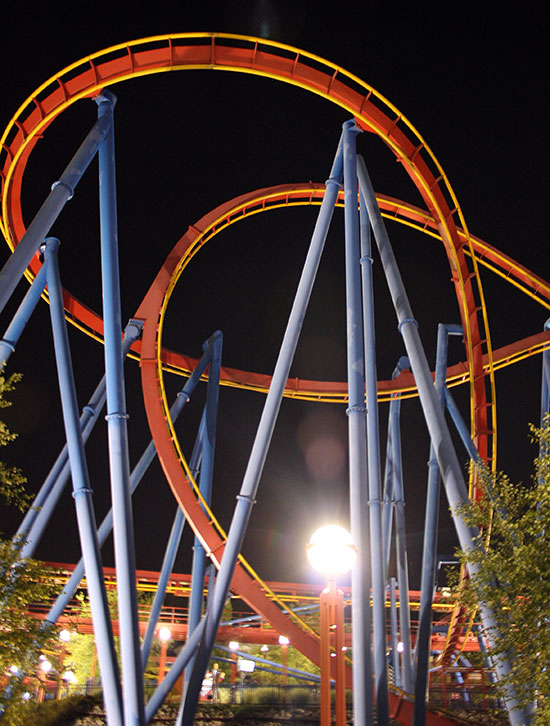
(330, 551)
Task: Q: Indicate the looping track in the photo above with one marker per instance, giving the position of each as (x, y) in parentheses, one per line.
(260, 57)
(442, 219)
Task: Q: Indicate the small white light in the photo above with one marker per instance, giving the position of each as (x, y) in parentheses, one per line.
(283, 640)
(65, 636)
(26, 696)
(45, 666)
(264, 649)
(400, 647)
(165, 634)
(14, 670)
(333, 655)
(233, 645)
(69, 676)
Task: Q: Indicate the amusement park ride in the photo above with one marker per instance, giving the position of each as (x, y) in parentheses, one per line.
(376, 500)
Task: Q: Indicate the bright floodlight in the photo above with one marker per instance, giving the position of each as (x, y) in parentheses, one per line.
(330, 551)
(283, 640)
(165, 634)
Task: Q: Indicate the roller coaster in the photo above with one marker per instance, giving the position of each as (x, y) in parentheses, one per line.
(34, 255)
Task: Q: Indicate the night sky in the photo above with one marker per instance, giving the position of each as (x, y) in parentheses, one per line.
(474, 88)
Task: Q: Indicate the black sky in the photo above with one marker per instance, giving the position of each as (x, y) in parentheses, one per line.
(472, 84)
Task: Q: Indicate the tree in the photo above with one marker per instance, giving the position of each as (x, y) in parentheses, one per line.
(23, 583)
(512, 575)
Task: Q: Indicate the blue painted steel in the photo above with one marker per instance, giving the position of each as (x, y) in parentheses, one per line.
(60, 194)
(249, 488)
(169, 681)
(208, 440)
(170, 554)
(252, 618)
(117, 429)
(387, 511)
(277, 666)
(453, 479)
(164, 577)
(21, 317)
(387, 504)
(276, 669)
(423, 642)
(401, 546)
(106, 526)
(364, 478)
(484, 650)
(397, 675)
(83, 495)
(38, 515)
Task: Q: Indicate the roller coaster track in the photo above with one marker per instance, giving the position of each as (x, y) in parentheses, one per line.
(442, 219)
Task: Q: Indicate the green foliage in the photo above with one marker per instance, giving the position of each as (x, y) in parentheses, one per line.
(12, 481)
(23, 583)
(512, 575)
(70, 710)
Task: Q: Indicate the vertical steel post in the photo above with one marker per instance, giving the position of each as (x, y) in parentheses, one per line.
(82, 495)
(117, 429)
(249, 488)
(397, 679)
(453, 478)
(361, 339)
(21, 317)
(423, 641)
(62, 190)
(401, 547)
(207, 468)
(170, 554)
(402, 364)
(38, 515)
(107, 524)
(387, 506)
(324, 627)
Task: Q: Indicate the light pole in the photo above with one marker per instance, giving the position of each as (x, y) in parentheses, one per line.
(164, 636)
(233, 647)
(283, 642)
(330, 551)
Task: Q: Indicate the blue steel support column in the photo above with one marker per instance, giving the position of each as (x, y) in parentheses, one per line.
(82, 495)
(423, 641)
(166, 570)
(208, 440)
(453, 479)
(393, 632)
(60, 194)
(402, 365)
(21, 317)
(365, 485)
(38, 515)
(249, 488)
(137, 474)
(170, 556)
(106, 526)
(401, 546)
(123, 528)
(387, 507)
